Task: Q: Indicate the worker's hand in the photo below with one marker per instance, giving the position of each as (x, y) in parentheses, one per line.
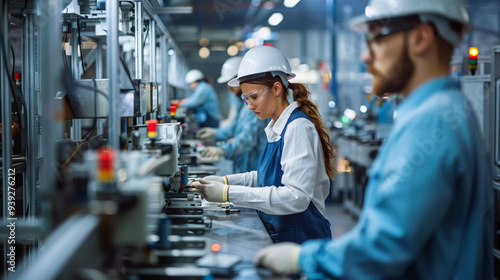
(213, 151)
(211, 190)
(219, 179)
(281, 258)
(206, 132)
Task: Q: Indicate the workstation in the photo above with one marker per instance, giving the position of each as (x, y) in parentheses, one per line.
(115, 165)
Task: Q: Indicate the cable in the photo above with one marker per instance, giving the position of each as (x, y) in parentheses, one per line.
(73, 154)
(145, 37)
(81, 46)
(13, 60)
(94, 124)
(128, 72)
(65, 37)
(19, 100)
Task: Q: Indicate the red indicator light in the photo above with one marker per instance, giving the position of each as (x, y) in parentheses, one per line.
(105, 164)
(216, 247)
(473, 52)
(152, 128)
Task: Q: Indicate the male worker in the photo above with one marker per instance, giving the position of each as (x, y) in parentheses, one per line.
(428, 204)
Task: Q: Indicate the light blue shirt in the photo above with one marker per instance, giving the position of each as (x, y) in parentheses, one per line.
(248, 140)
(204, 99)
(428, 206)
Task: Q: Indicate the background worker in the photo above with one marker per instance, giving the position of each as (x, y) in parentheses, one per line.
(244, 135)
(428, 206)
(203, 99)
(292, 180)
(230, 70)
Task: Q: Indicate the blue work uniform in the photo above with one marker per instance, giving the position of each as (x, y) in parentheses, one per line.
(248, 140)
(299, 227)
(428, 206)
(205, 103)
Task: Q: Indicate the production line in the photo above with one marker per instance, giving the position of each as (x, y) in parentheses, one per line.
(101, 169)
(125, 171)
(137, 210)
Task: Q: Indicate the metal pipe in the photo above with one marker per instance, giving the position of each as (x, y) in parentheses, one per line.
(138, 40)
(152, 48)
(112, 72)
(28, 83)
(163, 78)
(99, 75)
(330, 12)
(76, 125)
(49, 35)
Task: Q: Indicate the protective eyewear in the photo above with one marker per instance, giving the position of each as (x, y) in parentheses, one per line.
(256, 97)
(386, 30)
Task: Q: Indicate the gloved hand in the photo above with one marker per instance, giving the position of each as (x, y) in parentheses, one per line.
(213, 151)
(211, 190)
(281, 258)
(219, 179)
(206, 132)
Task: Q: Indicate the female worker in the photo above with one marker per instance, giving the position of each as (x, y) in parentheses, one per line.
(244, 135)
(292, 180)
(203, 99)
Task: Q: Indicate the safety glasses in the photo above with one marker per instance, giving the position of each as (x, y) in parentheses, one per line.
(256, 97)
(398, 25)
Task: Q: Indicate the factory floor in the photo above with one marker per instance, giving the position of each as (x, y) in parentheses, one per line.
(340, 220)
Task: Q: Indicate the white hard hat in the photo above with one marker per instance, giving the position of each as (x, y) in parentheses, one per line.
(263, 59)
(229, 69)
(438, 12)
(193, 76)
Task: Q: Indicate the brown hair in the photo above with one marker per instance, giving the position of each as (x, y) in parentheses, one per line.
(301, 96)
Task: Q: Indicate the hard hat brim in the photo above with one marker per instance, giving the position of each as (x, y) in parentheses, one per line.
(234, 82)
(222, 79)
(360, 23)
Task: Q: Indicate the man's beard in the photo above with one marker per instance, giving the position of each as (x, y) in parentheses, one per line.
(397, 78)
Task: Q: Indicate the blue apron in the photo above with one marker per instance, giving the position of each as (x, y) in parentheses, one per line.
(298, 227)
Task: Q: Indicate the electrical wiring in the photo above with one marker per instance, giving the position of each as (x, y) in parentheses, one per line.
(81, 46)
(19, 101)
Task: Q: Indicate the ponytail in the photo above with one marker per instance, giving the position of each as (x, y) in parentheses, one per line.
(301, 96)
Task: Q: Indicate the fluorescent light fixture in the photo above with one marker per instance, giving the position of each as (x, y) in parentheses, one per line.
(264, 33)
(204, 52)
(275, 19)
(290, 3)
(232, 50)
(250, 43)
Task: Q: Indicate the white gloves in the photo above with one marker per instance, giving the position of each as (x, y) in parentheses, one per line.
(281, 258)
(211, 190)
(206, 132)
(219, 179)
(213, 151)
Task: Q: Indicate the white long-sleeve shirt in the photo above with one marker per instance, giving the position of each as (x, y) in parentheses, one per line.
(304, 174)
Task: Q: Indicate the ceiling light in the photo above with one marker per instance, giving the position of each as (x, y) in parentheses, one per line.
(240, 45)
(204, 52)
(275, 19)
(268, 5)
(250, 43)
(204, 42)
(290, 3)
(264, 33)
(232, 50)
